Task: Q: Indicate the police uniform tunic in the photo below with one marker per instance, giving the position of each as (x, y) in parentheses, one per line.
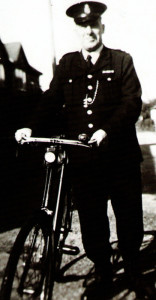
(113, 88)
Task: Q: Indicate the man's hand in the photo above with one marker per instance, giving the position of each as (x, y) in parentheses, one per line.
(98, 137)
(22, 133)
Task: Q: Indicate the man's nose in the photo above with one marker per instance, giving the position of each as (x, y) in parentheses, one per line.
(88, 29)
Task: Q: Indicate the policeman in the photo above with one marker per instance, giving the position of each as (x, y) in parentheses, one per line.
(98, 92)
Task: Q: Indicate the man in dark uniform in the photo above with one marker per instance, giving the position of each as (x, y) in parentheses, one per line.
(99, 94)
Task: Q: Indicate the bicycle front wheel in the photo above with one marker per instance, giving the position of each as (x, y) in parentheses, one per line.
(29, 273)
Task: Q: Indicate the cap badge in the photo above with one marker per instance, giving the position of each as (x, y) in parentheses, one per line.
(87, 9)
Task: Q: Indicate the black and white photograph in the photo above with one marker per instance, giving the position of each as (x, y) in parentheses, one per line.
(77, 150)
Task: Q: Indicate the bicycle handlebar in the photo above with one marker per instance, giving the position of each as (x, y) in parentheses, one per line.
(53, 141)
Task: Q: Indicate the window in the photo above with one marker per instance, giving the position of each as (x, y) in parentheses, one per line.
(20, 79)
(2, 73)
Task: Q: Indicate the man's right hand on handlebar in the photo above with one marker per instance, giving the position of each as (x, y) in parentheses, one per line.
(22, 133)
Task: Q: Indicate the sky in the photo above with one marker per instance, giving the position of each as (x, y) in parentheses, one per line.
(46, 32)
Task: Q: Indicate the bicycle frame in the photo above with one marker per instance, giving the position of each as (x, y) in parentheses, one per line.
(59, 161)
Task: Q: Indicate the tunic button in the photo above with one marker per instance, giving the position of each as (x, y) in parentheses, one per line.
(70, 80)
(90, 76)
(109, 79)
(90, 125)
(89, 112)
(89, 100)
(90, 87)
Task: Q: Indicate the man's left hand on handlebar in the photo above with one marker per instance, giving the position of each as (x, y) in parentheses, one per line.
(98, 137)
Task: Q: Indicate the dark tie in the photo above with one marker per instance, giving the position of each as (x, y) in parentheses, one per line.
(88, 61)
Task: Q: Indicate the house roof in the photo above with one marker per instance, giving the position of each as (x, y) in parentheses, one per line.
(14, 51)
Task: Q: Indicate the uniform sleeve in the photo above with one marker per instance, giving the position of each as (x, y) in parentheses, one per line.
(127, 113)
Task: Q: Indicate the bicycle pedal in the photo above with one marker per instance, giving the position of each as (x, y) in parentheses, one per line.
(28, 291)
(71, 250)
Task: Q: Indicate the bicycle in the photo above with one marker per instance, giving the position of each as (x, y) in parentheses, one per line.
(36, 256)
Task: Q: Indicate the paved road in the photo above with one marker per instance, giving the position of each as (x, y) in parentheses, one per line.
(71, 287)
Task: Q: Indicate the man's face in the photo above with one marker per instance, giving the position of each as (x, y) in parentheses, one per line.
(90, 34)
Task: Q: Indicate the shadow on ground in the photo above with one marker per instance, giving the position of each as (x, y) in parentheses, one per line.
(146, 288)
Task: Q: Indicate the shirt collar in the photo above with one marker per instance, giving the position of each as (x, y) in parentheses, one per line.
(94, 55)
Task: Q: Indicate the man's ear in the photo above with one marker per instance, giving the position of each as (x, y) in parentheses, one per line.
(103, 28)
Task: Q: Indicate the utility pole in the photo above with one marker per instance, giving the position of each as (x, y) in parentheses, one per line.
(51, 5)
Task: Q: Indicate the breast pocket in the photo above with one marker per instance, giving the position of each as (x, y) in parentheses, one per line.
(74, 91)
(110, 87)
(67, 84)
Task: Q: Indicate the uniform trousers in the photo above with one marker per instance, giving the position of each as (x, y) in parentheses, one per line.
(94, 183)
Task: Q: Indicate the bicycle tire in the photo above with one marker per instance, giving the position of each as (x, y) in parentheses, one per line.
(29, 272)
